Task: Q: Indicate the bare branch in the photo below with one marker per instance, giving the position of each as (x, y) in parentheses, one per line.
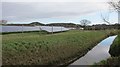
(115, 5)
(104, 19)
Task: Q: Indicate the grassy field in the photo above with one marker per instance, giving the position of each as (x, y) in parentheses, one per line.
(45, 49)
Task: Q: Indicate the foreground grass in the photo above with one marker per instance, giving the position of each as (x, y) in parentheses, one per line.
(111, 62)
(35, 49)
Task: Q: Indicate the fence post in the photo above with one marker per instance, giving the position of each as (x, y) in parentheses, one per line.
(61, 28)
(39, 29)
(22, 28)
(52, 29)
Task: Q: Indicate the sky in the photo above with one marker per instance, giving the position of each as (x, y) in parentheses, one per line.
(57, 11)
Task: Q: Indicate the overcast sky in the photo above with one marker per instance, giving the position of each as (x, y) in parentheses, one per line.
(55, 11)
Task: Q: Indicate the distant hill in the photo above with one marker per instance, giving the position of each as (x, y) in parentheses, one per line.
(37, 23)
(63, 24)
(68, 25)
(103, 27)
(18, 25)
(30, 24)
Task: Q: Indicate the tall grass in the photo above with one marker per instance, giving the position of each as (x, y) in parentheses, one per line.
(110, 62)
(35, 49)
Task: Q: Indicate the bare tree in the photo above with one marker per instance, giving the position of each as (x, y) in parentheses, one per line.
(85, 22)
(116, 6)
(3, 22)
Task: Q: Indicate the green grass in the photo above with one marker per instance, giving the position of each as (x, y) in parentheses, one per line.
(110, 61)
(60, 48)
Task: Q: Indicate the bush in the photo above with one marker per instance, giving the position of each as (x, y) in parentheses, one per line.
(115, 47)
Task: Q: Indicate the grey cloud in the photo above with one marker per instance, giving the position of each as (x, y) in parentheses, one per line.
(23, 11)
(54, 0)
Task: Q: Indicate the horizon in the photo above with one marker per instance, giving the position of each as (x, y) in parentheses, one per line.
(65, 23)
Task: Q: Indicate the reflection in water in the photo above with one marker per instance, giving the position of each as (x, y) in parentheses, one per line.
(98, 53)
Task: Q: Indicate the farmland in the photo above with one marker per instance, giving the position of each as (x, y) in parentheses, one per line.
(48, 49)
